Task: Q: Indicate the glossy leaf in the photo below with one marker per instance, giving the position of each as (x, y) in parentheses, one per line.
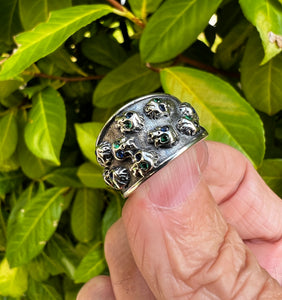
(13, 281)
(230, 51)
(9, 181)
(174, 27)
(8, 136)
(9, 24)
(265, 96)
(271, 172)
(33, 12)
(134, 79)
(103, 49)
(10, 164)
(91, 265)
(38, 222)
(267, 17)
(62, 252)
(42, 291)
(47, 37)
(64, 177)
(91, 176)
(113, 212)
(227, 117)
(86, 214)
(37, 269)
(87, 134)
(62, 59)
(142, 8)
(45, 132)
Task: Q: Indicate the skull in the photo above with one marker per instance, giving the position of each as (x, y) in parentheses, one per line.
(104, 154)
(163, 136)
(157, 108)
(143, 162)
(187, 126)
(187, 110)
(124, 148)
(129, 121)
(117, 177)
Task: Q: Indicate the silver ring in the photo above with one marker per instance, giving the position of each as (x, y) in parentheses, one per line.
(143, 136)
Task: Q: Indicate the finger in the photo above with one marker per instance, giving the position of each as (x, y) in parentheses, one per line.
(96, 289)
(181, 243)
(244, 199)
(127, 281)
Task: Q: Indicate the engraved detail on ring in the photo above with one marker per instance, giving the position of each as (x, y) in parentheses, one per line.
(130, 121)
(163, 136)
(189, 122)
(117, 177)
(157, 108)
(124, 148)
(104, 154)
(187, 126)
(143, 162)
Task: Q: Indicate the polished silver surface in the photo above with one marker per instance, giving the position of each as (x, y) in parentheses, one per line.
(143, 136)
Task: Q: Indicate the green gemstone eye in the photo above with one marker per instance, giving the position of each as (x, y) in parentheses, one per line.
(188, 118)
(164, 138)
(157, 100)
(128, 124)
(116, 145)
(144, 166)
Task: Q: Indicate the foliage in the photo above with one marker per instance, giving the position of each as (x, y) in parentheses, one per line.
(66, 66)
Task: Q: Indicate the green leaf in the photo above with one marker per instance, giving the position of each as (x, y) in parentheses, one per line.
(104, 50)
(174, 27)
(37, 268)
(10, 181)
(38, 222)
(141, 8)
(129, 80)
(13, 282)
(230, 51)
(91, 176)
(265, 96)
(62, 252)
(9, 24)
(10, 164)
(8, 135)
(271, 172)
(64, 177)
(62, 59)
(47, 37)
(93, 264)
(223, 112)
(32, 12)
(52, 266)
(267, 17)
(113, 212)
(86, 214)
(42, 291)
(45, 132)
(87, 134)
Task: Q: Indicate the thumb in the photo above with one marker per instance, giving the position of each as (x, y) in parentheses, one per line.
(181, 243)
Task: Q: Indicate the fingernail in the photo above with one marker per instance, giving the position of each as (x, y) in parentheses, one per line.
(173, 184)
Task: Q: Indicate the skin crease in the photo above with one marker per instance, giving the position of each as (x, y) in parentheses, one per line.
(204, 233)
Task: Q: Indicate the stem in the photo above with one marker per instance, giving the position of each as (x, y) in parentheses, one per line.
(202, 66)
(124, 12)
(65, 79)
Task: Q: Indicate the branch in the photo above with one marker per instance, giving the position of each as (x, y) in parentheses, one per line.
(202, 66)
(122, 11)
(65, 79)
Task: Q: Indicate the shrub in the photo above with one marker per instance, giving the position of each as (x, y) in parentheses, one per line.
(67, 66)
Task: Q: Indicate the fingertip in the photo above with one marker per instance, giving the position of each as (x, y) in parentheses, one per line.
(97, 288)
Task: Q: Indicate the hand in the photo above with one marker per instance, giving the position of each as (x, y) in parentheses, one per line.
(198, 229)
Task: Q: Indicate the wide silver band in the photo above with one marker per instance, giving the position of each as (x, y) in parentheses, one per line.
(143, 136)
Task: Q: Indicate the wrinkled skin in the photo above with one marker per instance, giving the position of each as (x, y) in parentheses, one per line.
(210, 236)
